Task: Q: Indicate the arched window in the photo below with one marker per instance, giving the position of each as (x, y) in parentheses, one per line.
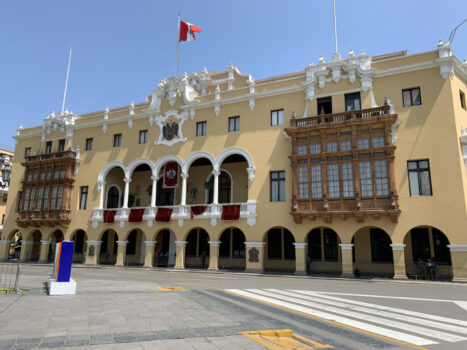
(113, 197)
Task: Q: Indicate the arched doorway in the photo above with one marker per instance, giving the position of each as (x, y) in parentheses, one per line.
(372, 253)
(236, 164)
(36, 245)
(280, 250)
(232, 249)
(427, 255)
(80, 246)
(324, 252)
(197, 248)
(135, 252)
(199, 168)
(140, 186)
(164, 250)
(15, 237)
(108, 251)
(225, 188)
(55, 238)
(113, 197)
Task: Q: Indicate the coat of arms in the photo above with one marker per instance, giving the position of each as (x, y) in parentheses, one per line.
(170, 130)
(253, 255)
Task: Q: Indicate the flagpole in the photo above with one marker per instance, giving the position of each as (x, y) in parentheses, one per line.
(178, 45)
(66, 80)
(335, 26)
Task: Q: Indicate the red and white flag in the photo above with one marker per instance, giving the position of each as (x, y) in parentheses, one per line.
(188, 30)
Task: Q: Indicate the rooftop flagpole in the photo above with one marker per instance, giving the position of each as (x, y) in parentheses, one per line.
(335, 26)
(178, 46)
(66, 80)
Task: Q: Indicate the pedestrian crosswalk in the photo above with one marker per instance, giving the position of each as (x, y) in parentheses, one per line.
(412, 327)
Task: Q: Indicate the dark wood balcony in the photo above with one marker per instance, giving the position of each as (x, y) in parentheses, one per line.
(36, 218)
(47, 157)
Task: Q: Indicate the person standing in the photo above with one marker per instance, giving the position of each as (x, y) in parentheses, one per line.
(203, 260)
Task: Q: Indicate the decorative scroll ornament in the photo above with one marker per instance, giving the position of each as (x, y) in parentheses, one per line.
(171, 127)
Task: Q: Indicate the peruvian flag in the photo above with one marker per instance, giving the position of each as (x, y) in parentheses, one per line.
(188, 30)
(170, 175)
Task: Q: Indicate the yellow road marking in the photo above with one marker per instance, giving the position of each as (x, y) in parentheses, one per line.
(329, 321)
(170, 289)
(277, 339)
(316, 345)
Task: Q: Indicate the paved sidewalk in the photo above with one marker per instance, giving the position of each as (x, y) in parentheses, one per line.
(106, 314)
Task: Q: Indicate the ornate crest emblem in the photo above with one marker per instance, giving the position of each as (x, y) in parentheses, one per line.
(170, 130)
(171, 174)
(253, 255)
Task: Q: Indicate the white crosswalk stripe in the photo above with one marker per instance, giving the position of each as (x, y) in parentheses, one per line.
(365, 316)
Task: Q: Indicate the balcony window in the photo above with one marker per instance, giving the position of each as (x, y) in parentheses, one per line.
(302, 150)
(352, 101)
(332, 146)
(419, 178)
(324, 105)
(45, 203)
(411, 97)
(277, 117)
(303, 182)
(347, 180)
(316, 185)
(378, 142)
(26, 200)
(333, 180)
(315, 148)
(346, 145)
(40, 193)
(366, 182)
(363, 143)
(381, 178)
(32, 198)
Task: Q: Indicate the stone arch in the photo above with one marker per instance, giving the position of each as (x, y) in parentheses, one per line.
(197, 246)
(279, 250)
(108, 248)
(231, 151)
(196, 156)
(79, 237)
(109, 166)
(135, 250)
(324, 250)
(120, 194)
(427, 254)
(372, 252)
(161, 162)
(134, 164)
(164, 249)
(232, 249)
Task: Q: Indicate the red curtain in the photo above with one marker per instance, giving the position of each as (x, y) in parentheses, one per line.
(171, 174)
(163, 214)
(230, 212)
(109, 216)
(136, 215)
(197, 210)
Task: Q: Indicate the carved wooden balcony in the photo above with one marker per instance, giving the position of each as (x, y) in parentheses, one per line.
(37, 218)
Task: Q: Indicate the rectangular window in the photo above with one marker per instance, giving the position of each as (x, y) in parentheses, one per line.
(143, 136)
(201, 128)
(333, 180)
(83, 197)
(59, 197)
(316, 185)
(45, 204)
(53, 199)
(366, 182)
(32, 198)
(347, 180)
(43, 173)
(61, 145)
(462, 97)
(89, 144)
(352, 101)
(26, 200)
(303, 182)
(277, 117)
(411, 97)
(346, 145)
(324, 105)
(48, 147)
(331, 146)
(117, 140)
(234, 124)
(381, 178)
(363, 143)
(315, 148)
(27, 152)
(40, 192)
(378, 142)
(419, 178)
(277, 186)
(302, 150)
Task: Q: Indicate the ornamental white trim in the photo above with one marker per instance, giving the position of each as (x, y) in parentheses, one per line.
(457, 248)
(346, 246)
(255, 244)
(181, 117)
(397, 246)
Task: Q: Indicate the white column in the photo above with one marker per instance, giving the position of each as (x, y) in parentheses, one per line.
(102, 194)
(127, 192)
(215, 199)
(184, 177)
(154, 189)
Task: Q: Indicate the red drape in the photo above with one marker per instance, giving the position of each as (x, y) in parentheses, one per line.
(170, 174)
(197, 210)
(109, 216)
(230, 212)
(136, 215)
(163, 214)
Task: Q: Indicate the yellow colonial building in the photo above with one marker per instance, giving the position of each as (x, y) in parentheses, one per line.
(6, 158)
(352, 166)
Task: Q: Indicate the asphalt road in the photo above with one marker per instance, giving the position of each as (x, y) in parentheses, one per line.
(117, 306)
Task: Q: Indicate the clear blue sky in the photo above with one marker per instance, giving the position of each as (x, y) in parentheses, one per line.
(122, 49)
